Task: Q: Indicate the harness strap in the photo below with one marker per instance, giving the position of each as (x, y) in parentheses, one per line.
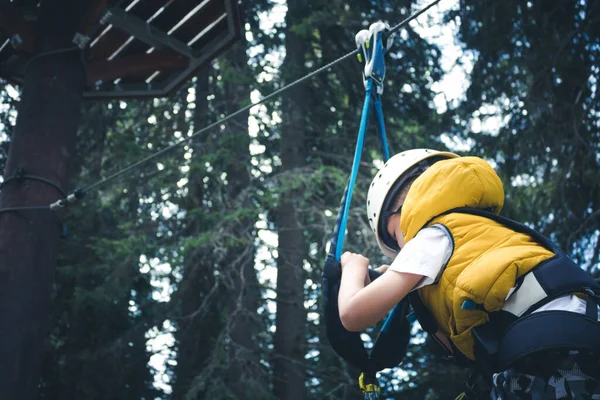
(346, 344)
(548, 330)
(390, 345)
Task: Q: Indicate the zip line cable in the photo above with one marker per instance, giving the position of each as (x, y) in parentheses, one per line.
(80, 193)
(219, 122)
(410, 18)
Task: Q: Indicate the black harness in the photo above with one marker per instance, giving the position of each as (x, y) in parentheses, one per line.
(509, 341)
(505, 341)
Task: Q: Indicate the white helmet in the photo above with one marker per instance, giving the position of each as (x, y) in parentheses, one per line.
(387, 184)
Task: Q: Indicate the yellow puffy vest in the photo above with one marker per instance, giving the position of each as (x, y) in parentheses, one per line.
(488, 257)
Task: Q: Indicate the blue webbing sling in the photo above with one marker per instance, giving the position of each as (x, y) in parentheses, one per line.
(391, 343)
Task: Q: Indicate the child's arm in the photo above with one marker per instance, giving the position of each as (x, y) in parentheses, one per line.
(362, 306)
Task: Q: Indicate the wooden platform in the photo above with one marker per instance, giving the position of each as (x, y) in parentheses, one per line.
(133, 48)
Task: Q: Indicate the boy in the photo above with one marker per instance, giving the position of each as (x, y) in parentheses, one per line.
(491, 291)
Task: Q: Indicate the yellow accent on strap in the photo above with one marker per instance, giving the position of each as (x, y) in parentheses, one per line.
(360, 60)
(368, 388)
(461, 396)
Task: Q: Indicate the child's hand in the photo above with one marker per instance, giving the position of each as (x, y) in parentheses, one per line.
(353, 259)
(358, 264)
(382, 269)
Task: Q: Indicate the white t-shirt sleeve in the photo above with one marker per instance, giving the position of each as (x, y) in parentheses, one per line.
(426, 254)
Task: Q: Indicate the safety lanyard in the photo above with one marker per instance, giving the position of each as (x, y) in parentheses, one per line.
(372, 51)
(390, 346)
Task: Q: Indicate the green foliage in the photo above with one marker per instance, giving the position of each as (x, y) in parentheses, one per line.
(180, 242)
(537, 64)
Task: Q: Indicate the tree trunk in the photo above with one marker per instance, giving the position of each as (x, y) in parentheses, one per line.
(244, 374)
(290, 340)
(198, 328)
(42, 145)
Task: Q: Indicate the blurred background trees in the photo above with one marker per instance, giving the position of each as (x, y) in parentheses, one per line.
(198, 276)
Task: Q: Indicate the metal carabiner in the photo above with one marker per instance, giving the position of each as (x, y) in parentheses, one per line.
(371, 45)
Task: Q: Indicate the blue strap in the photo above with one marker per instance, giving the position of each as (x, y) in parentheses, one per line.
(381, 125)
(373, 51)
(390, 346)
(345, 207)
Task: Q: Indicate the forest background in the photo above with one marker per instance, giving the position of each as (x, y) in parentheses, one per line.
(198, 276)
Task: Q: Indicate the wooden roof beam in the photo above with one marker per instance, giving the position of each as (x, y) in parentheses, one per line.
(122, 67)
(146, 32)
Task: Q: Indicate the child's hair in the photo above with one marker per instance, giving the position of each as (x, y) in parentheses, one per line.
(410, 180)
(396, 203)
